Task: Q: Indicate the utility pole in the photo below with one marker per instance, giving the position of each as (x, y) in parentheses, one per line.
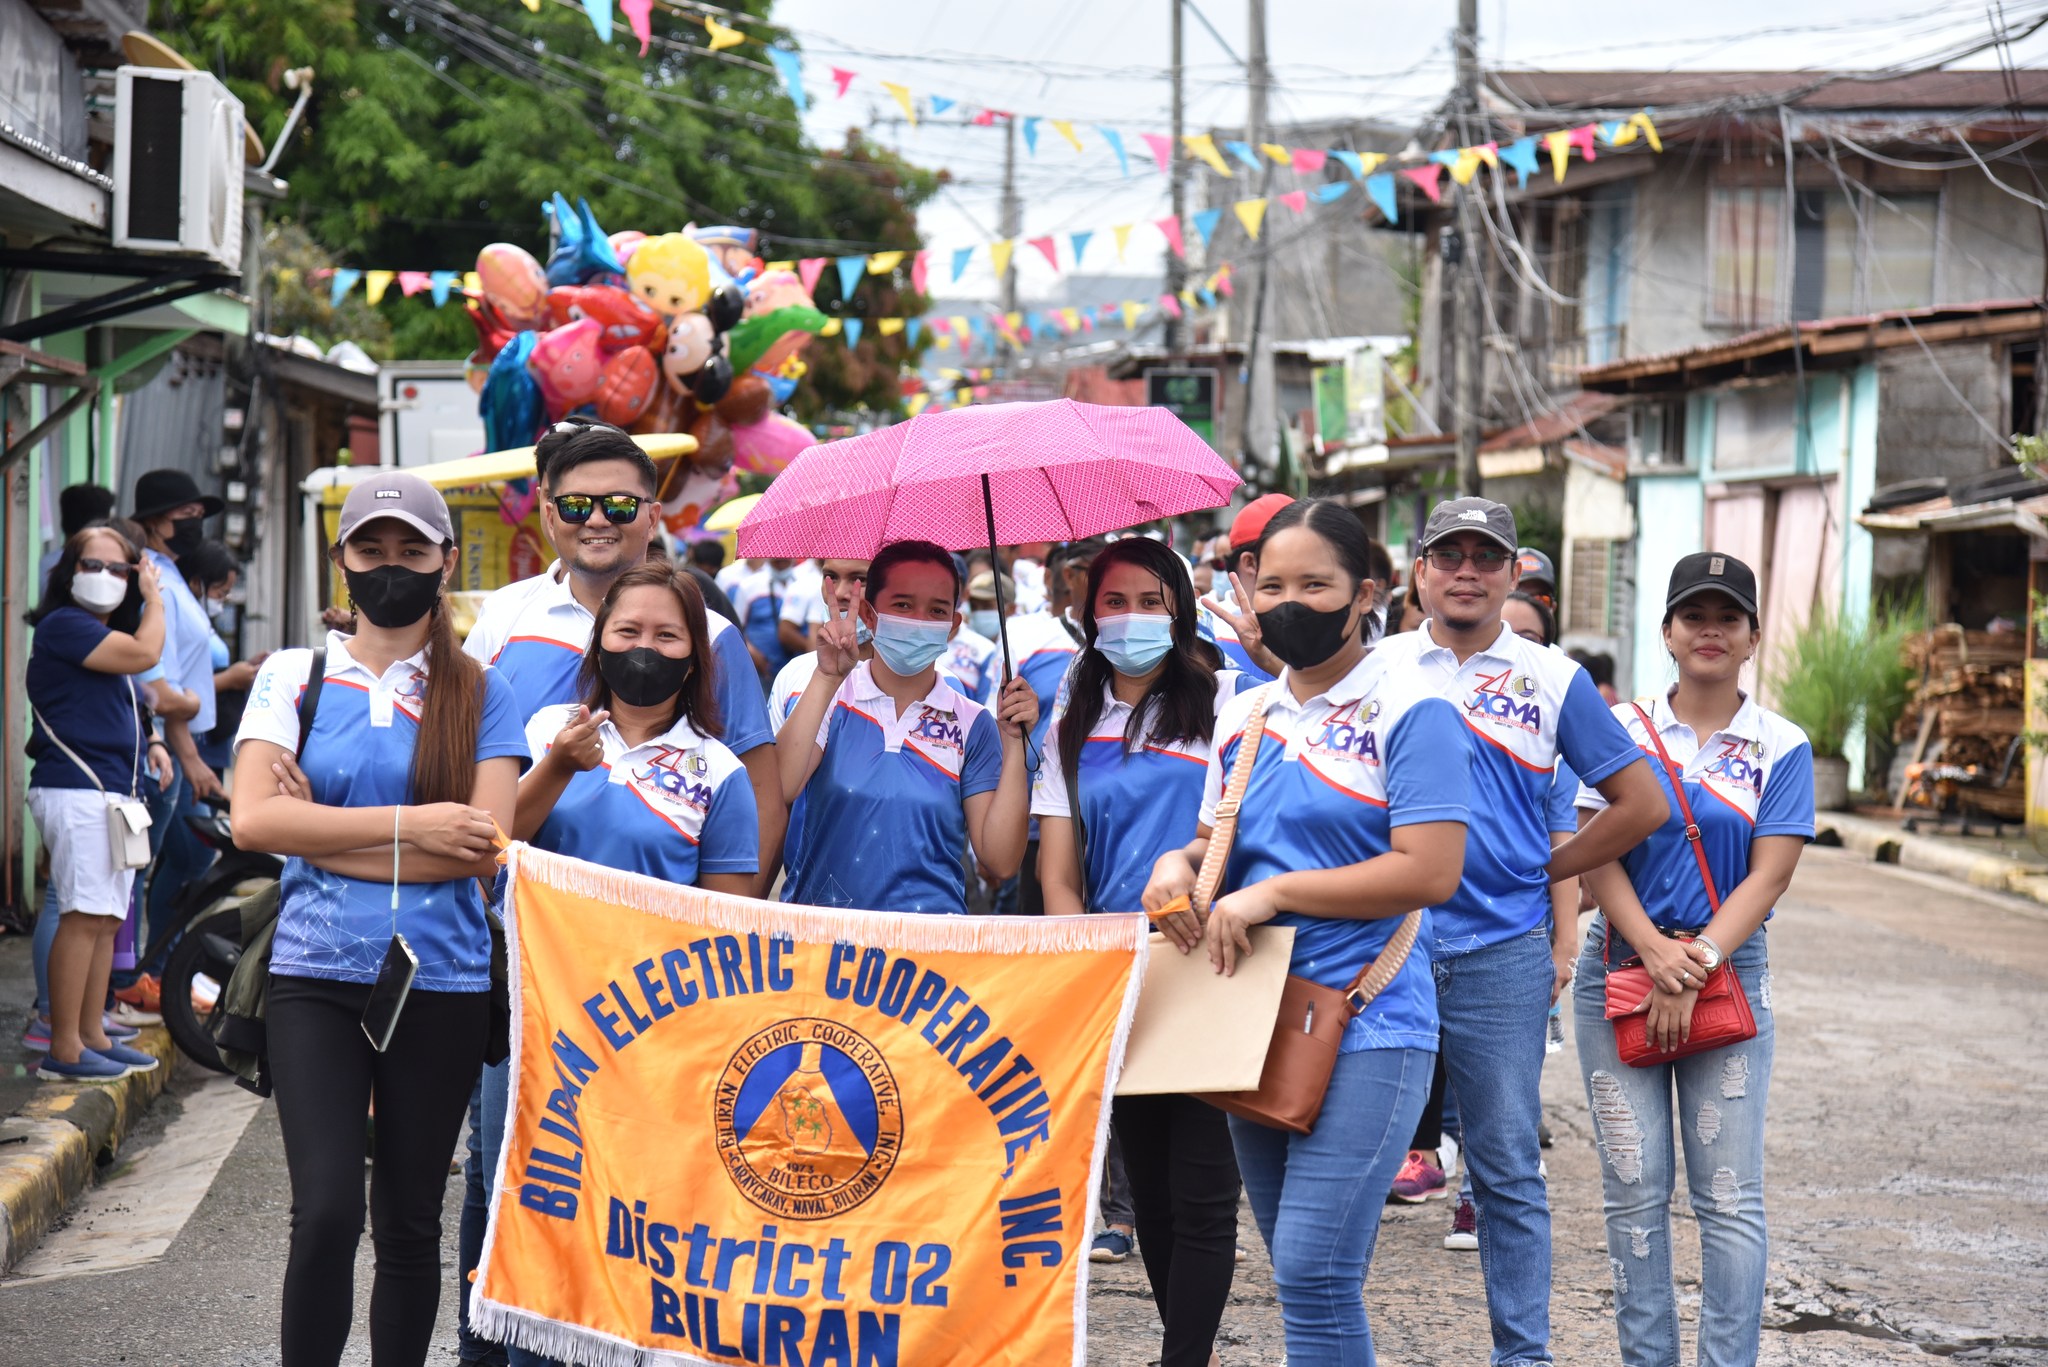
(1259, 439)
(1013, 214)
(1176, 266)
(1467, 321)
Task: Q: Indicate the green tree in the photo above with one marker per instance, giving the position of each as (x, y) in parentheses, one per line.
(435, 129)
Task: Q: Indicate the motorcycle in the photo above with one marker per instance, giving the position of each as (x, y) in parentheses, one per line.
(205, 940)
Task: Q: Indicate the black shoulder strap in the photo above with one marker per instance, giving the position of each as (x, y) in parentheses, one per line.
(309, 700)
(1080, 826)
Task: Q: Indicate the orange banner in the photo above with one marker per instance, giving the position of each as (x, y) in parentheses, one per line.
(750, 1132)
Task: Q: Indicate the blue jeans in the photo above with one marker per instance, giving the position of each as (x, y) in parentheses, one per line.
(1495, 1005)
(1722, 1093)
(1317, 1198)
(179, 859)
(496, 1089)
(469, 1239)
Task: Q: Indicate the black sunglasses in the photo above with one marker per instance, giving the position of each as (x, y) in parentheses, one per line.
(120, 569)
(1487, 559)
(618, 509)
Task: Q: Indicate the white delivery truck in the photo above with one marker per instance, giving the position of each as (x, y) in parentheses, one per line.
(426, 413)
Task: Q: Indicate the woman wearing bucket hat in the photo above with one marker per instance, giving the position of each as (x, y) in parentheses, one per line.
(1696, 894)
(387, 818)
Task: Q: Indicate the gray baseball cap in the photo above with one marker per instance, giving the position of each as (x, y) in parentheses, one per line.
(399, 494)
(1482, 515)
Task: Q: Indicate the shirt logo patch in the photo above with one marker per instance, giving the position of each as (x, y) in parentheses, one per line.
(676, 776)
(1505, 699)
(939, 729)
(410, 697)
(1738, 765)
(1346, 734)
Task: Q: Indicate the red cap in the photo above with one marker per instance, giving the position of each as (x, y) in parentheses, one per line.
(1251, 522)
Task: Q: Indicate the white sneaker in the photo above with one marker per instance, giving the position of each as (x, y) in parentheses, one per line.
(1447, 1158)
(133, 1016)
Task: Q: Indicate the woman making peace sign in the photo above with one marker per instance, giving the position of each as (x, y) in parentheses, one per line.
(898, 770)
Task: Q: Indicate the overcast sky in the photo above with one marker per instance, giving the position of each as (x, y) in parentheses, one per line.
(1105, 61)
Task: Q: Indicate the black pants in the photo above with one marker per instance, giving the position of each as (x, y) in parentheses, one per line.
(1429, 1130)
(1030, 896)
(1184, 1187)
(326, 1076)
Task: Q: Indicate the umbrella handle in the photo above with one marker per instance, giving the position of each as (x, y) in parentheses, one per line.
(995, 566)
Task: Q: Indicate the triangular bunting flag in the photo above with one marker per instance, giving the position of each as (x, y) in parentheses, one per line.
(1243, 152)
(1649, 128)
(1169, 228)
(1280, 155)
(472, 282)
(1116, 145)
(1297, 200)
(1251, 213)
(1444, 158)
(1187, 297)
(940, 104)
(842, 78)
(808, 270)
(1353, 161)
(960, 325)
(901, 94)
(441, 282)
(1380, 189)
(1205, 223)
(600, 12)
(1133, 310)
(1162, 149)
(1371, 162)
(1066, 130)
(914, 405)
(722, 36)
(912, 331)
(1332, 190)
(999, 255)
(1203, 146)
(941, 327)
(412, 282)
(1031, 136)
(790, 67)
(1122, 233)
(888, 327)
(918, 266)
(1170, 304)
(1079, 242)
(853, 327)
(1560, 145)
(1426, 179)
(1521, 156)
(1308, 161)
(1466, 166)
(881, 263)
(640, 18)
(1611, 133)
(1489, 152)
(1049, 250)
(533, 5)
(961, 256)
(1207, 297)
(1582, 138)
(850, 269)
(1223, 285)
(337, 289)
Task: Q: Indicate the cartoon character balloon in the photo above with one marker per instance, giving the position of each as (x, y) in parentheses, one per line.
(672, 273)
(513, 284)
(627, 320)
(628, 386)
(583, 253)
(568, 366)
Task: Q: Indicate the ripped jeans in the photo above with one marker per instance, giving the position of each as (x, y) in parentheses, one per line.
(1719, 1118)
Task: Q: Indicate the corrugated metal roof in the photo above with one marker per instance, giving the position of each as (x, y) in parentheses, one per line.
(1674, 91)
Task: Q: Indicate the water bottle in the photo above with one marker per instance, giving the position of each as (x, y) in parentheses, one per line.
(1555, 1044)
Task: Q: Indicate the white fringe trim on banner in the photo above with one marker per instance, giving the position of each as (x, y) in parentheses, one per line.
(1126, 1013)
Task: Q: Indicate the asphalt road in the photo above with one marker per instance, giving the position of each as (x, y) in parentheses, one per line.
(1908, 1184)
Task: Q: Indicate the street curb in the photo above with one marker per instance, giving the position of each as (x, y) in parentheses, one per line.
(64, 1133)
(1886, 843)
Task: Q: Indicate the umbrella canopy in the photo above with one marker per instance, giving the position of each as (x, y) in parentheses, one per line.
(727, 515)
(1052, 471)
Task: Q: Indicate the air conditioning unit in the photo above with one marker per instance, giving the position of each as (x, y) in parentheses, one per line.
(178, 153)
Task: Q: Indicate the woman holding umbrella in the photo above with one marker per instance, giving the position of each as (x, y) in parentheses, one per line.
(898, 771)
(1132, 749)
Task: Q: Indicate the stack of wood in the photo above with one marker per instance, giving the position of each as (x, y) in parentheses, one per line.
(1971, 697)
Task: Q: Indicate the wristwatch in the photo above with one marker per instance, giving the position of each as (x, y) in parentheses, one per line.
(1714, 954)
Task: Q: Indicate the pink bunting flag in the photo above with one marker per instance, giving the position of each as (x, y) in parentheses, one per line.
(917, 270)
(808, 270)
(639, 15)
(1309, 161)
(843, 78)
(1426, 179)
(1048, 249)
(412, 282)
(1223, 285)
(1582, 138)
(1162, 149)
(1296, 200)
(1170, 227)
(1170, 305)
(942, 327)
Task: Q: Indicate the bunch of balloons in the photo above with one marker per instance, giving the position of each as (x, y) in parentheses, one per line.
(679, 332)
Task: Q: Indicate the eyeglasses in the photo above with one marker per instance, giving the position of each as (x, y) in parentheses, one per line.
(120, 569)
(1487, 559)
(618, 509)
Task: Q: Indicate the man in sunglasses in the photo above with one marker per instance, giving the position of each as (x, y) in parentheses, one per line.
(1525, 706)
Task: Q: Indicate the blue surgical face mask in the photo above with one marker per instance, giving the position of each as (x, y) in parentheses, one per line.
(862, 633)
(910, 645)
(1133, 642)
(985, 621)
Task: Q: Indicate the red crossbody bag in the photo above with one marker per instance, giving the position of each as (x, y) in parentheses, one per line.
(1721, 1016)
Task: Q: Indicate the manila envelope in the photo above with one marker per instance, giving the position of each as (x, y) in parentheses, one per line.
(1198, 1031)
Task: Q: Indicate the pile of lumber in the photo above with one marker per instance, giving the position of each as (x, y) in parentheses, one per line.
(1971, 696)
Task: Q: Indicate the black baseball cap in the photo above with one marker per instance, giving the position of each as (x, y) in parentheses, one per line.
(159, 491)
(1712, 572)
(1494, 521)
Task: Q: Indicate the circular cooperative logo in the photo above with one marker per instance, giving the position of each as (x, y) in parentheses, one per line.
(1522, 686)
(808, 1118)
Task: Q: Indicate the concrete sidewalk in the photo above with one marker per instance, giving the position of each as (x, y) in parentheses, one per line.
(1980, 861)
(53, 1135)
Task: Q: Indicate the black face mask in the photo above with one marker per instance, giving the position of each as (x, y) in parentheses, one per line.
(642, 676)
(186, 535)
(392, 595)
(1302, 637)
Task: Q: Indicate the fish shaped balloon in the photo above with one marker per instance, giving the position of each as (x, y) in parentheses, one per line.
(627, 320)
(513, 283)
(568, 365)
(628, 386)
(582, 251)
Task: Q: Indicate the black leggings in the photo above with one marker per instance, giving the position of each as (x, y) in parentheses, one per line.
(326, 1075)
(1184, 1186)
(1429, 1130)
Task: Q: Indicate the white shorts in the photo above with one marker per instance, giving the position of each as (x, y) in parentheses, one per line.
(74, 826)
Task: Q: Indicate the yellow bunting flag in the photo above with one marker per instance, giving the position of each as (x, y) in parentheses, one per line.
(1277, 153)
(1013, 321)
(1133, 310)
(1649, 128)
(1368, 162)
(1560, 145)
(1251, 213)
(831, 328)
(914, 405)
(1122, 233)
(533, 5)
(1188, 297)
(881, 263)
(961, 327)
(1489, 153)
(751, 1132)
(1466, 166)
(722, 36)
(999, 255)
(901, 94)
(472, 282)
(1072, 318)
(888, 327)
(781, 266)
(1203, 145)
(375, 283)
(1066, 130)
